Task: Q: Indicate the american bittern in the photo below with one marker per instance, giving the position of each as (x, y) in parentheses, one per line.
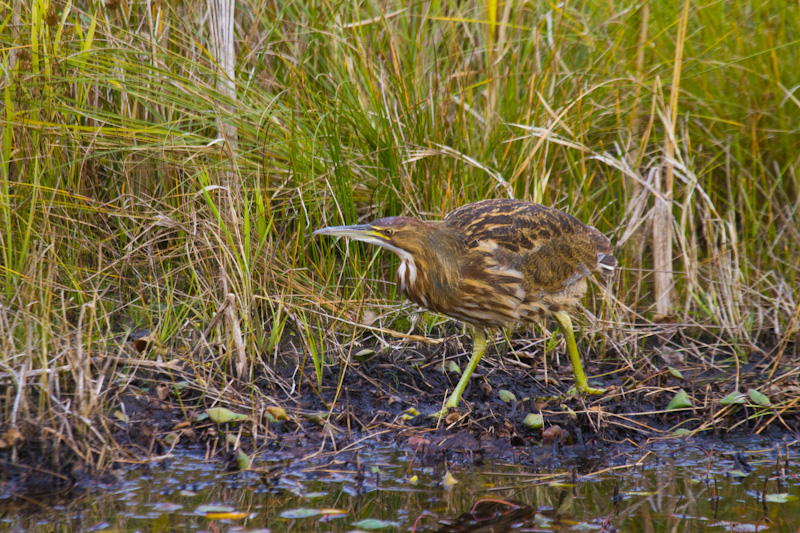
(492, 263)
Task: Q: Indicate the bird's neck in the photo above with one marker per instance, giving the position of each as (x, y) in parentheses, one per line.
(432, 274)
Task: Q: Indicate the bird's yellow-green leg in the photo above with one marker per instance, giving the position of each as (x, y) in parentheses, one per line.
(478, 348)
(581, 384)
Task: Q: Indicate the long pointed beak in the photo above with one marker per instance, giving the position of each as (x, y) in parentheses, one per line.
(361, 232)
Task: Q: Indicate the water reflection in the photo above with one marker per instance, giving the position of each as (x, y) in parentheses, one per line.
(662, 486)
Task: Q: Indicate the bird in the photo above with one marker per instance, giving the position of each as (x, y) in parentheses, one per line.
(493, 263)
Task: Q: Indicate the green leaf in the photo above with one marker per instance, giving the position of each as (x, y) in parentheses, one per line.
(301, 512)
(220, 415)
(372, 523)
(783, 497)
(680, 401)
(675, 373)
(507, 396)
(452, 367)
(534, 421)
(205, 509)
(243, 460)
(732, 398)
(759, 398)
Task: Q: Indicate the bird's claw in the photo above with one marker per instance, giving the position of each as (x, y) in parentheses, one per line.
(584, 389)
(448, 415)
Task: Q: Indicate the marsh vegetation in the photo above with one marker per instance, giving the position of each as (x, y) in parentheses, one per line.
(162, 168)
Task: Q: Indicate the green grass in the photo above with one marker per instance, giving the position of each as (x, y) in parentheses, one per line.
(121, 209)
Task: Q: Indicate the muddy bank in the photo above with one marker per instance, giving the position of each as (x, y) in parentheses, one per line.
(386, 397)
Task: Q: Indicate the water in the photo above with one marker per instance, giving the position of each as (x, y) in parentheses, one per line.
(663, 486)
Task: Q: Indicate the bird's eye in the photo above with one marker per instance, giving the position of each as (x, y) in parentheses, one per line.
(388, 232)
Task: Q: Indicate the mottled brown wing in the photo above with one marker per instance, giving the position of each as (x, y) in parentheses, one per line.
(552, 248)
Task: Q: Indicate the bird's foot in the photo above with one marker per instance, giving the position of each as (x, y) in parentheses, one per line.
(448, 415)
(584, 389)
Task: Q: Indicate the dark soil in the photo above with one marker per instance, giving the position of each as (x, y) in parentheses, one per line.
(377, 400)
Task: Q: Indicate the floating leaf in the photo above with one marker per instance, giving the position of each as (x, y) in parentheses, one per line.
(207, 509)
(507, 396)
(301, 512)
(680, 401)
(732, 398)
(235, 515)
(736, 473)
(220, 415)
(119, 415)
(331, 512)
(759, 398)
(783, 497)
(534, 421)
(448, 481)
(736, 527)
(167, 507)
(675, 373)
(584, 526)
(363, 354)
(680, 432)
(372, 523)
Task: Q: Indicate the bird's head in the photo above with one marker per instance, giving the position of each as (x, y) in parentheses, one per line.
(402, 235)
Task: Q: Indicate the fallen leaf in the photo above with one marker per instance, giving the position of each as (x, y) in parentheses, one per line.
(220, 415)
(278, 413)
(507, 396)
(534, 421)
(680, 401)
(553, 433)
(732, 398)
(759, 398)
